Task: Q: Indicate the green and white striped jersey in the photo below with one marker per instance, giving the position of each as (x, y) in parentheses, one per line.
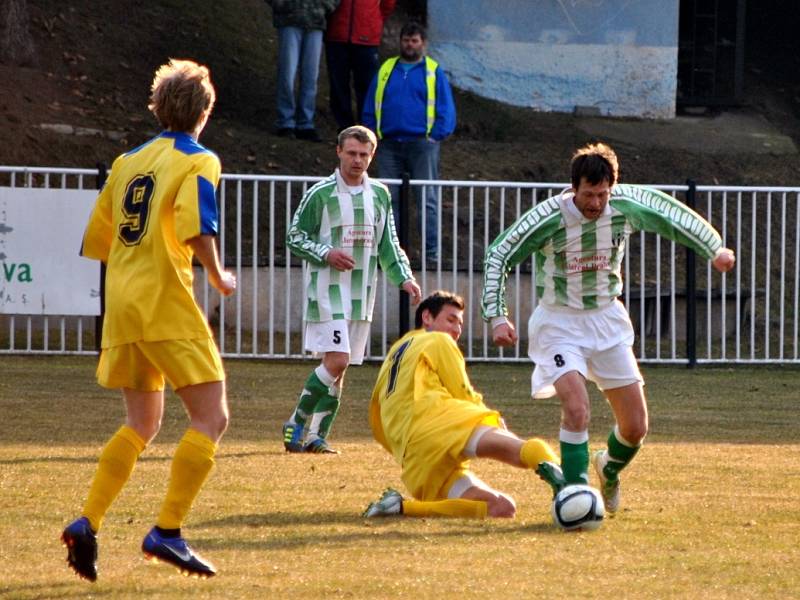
(328, 217)
(578, 260)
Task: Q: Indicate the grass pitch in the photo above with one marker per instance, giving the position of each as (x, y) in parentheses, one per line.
(709, 508)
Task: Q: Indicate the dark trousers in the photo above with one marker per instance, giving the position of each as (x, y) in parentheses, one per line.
(346, 61)
(420, 159)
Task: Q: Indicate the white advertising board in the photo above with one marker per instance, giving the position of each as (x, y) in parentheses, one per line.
(41, 272)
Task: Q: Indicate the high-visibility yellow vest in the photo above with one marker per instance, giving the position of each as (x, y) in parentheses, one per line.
(430, 81)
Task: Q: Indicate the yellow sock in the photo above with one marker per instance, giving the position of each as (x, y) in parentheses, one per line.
(535, 451)
(193, 460)
(113, 470)
(458, 507)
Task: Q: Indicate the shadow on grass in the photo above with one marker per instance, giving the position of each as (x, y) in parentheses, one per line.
(94, 457)
(77, 589)
(389, 529)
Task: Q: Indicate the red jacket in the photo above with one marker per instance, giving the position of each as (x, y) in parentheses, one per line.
(359, 21)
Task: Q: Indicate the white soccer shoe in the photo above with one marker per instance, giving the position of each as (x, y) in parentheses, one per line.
(609, 489)
(390, 503)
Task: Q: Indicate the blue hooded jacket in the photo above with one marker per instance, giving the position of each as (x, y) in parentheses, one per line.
(403, 116)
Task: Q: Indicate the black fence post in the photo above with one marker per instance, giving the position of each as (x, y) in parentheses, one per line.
(691, 287)
(402, 234)
(102, 175)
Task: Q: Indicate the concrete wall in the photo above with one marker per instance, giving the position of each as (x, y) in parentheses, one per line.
(612, 57)
(276, 298)
(272, 308)
(285, 296)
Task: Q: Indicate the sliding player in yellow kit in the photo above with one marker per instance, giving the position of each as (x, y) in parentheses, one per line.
(157, 210)
(425, 412)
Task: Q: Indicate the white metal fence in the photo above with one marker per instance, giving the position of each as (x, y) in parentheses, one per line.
(749, 315)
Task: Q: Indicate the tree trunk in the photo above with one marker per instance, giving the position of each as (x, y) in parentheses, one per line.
(16, 43)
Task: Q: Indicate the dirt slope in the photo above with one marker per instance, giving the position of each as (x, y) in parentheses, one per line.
(81, 99)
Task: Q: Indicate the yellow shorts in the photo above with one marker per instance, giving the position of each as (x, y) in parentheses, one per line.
(143, 366)
(433, 459)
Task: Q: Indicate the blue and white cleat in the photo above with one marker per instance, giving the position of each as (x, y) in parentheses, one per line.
(176, 552)
(292, 437)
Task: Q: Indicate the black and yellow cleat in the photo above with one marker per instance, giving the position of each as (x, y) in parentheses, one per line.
(292, 437)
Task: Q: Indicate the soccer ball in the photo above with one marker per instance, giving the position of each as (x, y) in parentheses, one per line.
(578, 507)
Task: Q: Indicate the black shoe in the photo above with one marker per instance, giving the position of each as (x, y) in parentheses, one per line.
(285, 132)
(319, 446)
(309, 135)
(81, 544)
(176, 552)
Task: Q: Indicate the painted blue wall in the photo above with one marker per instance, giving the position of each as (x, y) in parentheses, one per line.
(619, 57)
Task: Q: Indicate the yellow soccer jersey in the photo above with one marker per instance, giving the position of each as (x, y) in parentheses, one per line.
(424, 409)
(157, 197)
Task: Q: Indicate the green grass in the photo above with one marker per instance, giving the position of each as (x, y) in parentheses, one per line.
(710, 506)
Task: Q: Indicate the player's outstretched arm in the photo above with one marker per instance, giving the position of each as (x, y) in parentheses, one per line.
(205, 249)
(724, 261)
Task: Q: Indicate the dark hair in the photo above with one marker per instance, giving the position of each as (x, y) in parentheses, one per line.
(434, 304)
(411, 28)
(596, 163)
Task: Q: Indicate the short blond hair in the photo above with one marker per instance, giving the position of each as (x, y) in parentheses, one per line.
(181, 95)
(357, 132)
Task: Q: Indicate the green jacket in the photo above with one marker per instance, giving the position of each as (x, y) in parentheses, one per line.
(306, 14)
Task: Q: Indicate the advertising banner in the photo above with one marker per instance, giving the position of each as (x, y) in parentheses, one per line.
(41, 272)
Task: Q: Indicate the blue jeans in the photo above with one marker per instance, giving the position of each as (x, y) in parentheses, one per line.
(297, 48)
(420, 159)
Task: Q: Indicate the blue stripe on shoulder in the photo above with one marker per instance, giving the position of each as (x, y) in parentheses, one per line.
(182, 142)
(145, 145)
(185, 143)
(207, 206)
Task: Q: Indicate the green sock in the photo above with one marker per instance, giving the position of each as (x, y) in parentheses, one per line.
(329, 407)
(575, 462)
(619, 455)
(313, 391)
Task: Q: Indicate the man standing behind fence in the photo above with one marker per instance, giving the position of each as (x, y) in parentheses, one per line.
(410, 107)
(352, 39)
(157, 210)
(343, 228)
(580, 330)
(300, 24)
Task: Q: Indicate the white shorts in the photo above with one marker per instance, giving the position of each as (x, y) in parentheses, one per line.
(339, 335)
(596, 343)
